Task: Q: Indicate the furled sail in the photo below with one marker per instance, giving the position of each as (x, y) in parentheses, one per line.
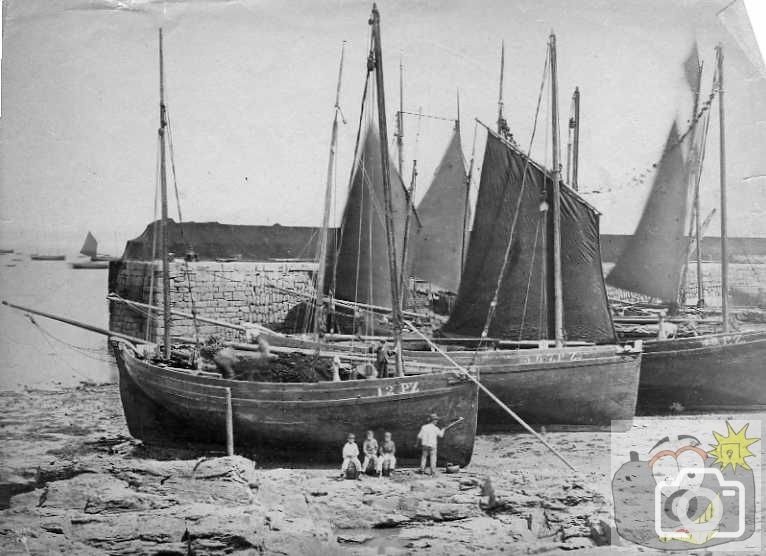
(437, 251)
(90, 246)
(525, 301)
(361, 273)
(655, 255)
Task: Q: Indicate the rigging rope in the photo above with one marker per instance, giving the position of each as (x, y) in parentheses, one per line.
(155, 223)
(506, 255)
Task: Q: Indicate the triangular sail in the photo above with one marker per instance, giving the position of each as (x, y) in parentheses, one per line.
(361, 272)
(436, 253)
(90, 246)
(654, 258)
(525, 301)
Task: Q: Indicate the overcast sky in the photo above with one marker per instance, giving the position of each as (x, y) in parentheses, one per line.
(251, 85)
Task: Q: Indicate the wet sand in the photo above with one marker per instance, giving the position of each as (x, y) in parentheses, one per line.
(73, 481)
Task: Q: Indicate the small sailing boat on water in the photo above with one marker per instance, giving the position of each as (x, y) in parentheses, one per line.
(47, 257)
(165, 402)
(711, 372)
(90, 249)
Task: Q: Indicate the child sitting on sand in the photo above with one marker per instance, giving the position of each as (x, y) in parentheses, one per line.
(387, 457)
(370, 448)
(350, 455)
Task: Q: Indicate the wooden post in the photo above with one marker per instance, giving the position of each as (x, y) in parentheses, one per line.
(166, 319)
(229, 424)
(556, 197)
(722, 166)
(390, 237)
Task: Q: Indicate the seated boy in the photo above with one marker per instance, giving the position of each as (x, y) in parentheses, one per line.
(370, 448)
(387, 457)
(350, 456)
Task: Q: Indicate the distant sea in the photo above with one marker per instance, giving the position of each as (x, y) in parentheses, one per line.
(52, 354)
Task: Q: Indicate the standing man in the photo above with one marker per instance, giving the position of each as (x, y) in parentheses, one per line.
(429, 436)
(381, 359)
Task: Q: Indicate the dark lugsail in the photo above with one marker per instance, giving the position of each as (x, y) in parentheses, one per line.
(361, 272)
(437, 256)
(90, 246)
(525, 301)
(653, 260)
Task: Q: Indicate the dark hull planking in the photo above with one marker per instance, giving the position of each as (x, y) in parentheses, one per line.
(299, 423)
(580, 388)
(716, 372)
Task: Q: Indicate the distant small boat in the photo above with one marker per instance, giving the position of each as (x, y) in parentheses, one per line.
(90, 249)
(6, 251)
(90, 265)
(37, 257)
(10, 264)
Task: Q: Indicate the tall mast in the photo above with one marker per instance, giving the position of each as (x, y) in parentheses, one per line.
(576, 141)
(698, 215)
(318, 313)
(556, 177)
(166, 316)
(390, 238)
(500, 119)
(722, 163)
(467, 208)
(400, 120)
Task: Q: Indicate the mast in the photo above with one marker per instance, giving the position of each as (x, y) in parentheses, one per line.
(576, 141)
(166, 317)
(467, 208)
(697, 174)
(318, 313)
(400, 120)
(556, 194)
(390, 237)
(722, 164)
(500, 119)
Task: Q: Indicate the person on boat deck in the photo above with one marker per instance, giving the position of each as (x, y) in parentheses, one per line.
(350, 455)
(666, 330)
(336, 369)
(381, 359)
(370, 449)
(429, 436)
(387, 454)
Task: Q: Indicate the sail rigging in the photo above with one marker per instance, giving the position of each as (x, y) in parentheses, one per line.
(361, 262)
(525, 300)
(652, 262)
(437, 256)
(90, 246)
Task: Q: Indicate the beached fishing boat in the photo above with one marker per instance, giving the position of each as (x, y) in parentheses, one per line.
(714, 372)
(303, 422)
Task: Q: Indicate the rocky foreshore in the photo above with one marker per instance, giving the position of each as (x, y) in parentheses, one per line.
(72, 481)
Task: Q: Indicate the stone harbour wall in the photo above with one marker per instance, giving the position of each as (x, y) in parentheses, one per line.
(234, 292)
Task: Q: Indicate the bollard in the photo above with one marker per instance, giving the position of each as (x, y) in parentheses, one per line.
(229, 425)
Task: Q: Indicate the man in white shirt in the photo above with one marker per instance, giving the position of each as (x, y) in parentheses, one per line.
(429, 436)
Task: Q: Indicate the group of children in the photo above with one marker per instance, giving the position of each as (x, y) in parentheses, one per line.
(384, 456)
(379, 456)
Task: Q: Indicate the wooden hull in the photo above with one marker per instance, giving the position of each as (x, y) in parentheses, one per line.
(297, 422)
(48, 257)
(716, 372)
(91, 265)
(580, 388)
(575, 388)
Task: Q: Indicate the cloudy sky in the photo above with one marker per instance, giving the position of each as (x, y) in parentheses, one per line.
(251, 85)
